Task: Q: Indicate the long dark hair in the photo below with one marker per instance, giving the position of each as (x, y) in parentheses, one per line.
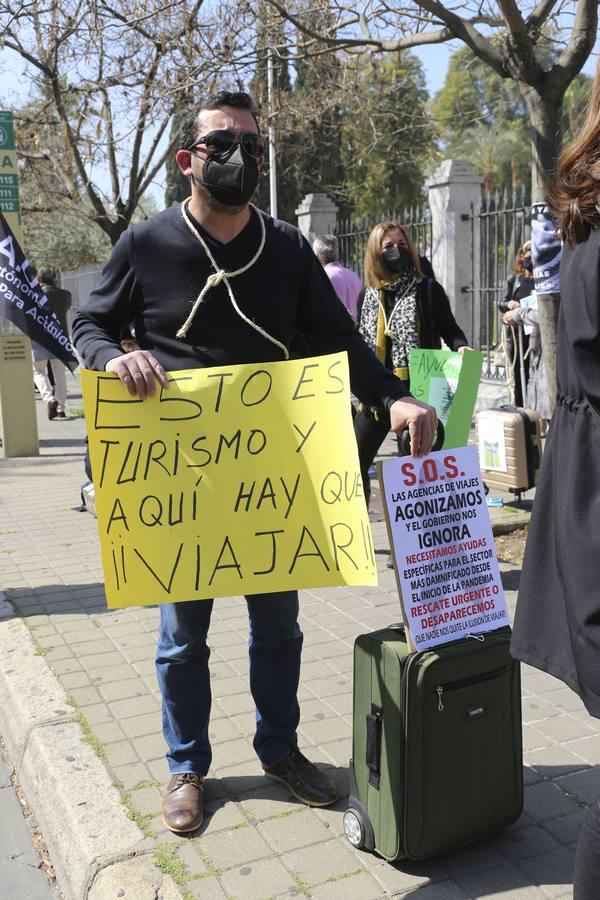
(574, 198)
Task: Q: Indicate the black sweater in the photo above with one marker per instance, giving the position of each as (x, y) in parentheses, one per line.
(158, 268)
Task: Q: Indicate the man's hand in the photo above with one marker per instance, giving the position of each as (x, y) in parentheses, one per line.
(138, 371)
(421, 421)
(462, 349)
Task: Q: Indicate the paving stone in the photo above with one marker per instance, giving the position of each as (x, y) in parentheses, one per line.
(535, 709)
(24, 882)
(505, 882)
(146, 800)
(85, 696)
(15, 840)
(292, 830)
(108, 732)
(121, 690)
(553, 871)
(554, 760)
(225, 729)
(141, 725)
(206, 889)
(534, 738)
(357, 886)
(472, 858)
(233, 752)
(564, 727)
(584, 785)
(326, 730)
(586, 748)
(150, 746)
(269, 801)
(440, 890)
(229, 849)
(122, 709)
(315, 864)
(257, 881)
(120, 753)
(566, 828)
(98, 713)
(72, 680)
(221, 813)
(518, 843)
(131, 774)
(546, 800)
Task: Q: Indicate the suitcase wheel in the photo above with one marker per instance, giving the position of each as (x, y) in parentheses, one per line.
(354, 828)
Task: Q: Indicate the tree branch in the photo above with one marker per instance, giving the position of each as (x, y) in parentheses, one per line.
(573, 57)
(540, 13)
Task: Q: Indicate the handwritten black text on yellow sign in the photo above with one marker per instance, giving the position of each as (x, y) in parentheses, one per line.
(240, 479)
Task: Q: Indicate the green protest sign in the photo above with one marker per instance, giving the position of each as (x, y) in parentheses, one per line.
(449, 381)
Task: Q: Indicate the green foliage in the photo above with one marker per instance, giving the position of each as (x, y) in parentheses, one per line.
(386, 136)
(481, 117)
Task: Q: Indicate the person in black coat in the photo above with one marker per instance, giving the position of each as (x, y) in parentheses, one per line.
(399, 310)
(557, 622)
(519, 285)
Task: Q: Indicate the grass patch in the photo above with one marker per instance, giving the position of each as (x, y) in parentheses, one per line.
(166, 860)
(301, 885)
(77, 411)
(142, 820)
(90, 738)
(343, 875)
(70, 701)
(212, 869)
(145, 784)
(40, 651)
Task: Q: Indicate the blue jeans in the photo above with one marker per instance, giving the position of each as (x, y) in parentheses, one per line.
(274, 646)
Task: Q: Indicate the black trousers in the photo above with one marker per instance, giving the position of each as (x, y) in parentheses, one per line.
(587, 859)
(370, 433)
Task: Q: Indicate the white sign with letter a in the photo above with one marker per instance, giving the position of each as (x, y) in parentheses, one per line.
(442, 545)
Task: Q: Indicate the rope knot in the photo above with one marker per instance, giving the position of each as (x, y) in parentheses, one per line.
(216, 278)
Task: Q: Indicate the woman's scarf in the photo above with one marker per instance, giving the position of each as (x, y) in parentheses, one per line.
(401, 327)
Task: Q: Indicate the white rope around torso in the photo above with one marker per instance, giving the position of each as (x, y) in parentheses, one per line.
(220, 275)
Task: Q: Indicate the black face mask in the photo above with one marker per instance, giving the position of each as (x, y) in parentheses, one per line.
(397, 259)
(231, 177)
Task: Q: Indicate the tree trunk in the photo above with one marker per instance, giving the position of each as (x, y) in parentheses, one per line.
(544, 115)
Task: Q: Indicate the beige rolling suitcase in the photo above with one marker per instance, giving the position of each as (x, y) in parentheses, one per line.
(510, 448)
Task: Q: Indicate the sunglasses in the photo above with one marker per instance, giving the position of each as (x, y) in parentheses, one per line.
(221, 141)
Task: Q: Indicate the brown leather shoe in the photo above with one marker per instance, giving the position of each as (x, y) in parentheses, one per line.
(183, 802)
(305, 780)
(52, 407)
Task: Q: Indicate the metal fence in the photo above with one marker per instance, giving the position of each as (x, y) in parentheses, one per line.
(353, 235)
(498, 228)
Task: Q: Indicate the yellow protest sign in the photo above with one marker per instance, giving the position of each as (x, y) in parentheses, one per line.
(234, 480)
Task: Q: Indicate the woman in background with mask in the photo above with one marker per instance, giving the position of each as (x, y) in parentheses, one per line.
(400, 310)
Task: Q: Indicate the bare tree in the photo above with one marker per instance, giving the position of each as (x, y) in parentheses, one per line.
(504, 34)
(108, 79)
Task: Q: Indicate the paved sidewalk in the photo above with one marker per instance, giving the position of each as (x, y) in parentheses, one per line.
(257, 842)
(21, 874)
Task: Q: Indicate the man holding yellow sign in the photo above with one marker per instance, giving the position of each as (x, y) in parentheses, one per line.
(215, 284)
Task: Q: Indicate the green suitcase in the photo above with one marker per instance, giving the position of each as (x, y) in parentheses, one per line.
(437, 743)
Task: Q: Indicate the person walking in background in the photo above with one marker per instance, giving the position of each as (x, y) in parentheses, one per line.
(347, 284)
(53, 395)
(519, 285)
(399, 311)
(557, 620)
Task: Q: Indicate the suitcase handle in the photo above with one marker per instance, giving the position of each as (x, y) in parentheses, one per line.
(373, 748)
(404, 440)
